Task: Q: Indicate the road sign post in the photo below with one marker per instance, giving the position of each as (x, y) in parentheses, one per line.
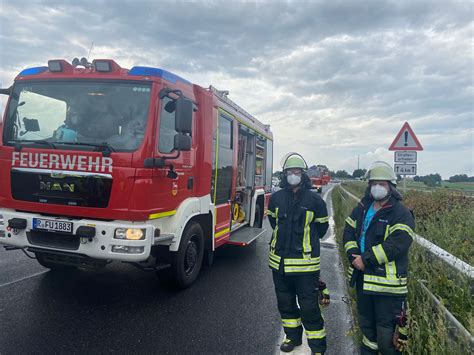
(405, 146)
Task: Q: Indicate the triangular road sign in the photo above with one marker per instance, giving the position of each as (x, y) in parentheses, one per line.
(405, 140)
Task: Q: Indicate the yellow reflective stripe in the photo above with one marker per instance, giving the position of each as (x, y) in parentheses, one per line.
(275, 231)
(351, 222)
(386, 289)
(370, 344)
(271, 213)
(302, 262)
(349, 245)
(315, 334)
(387, 232)
(162, 214)
(307, 233)
(273, 264)
(222, 232)
(322, 219)
(402, 227)
(391, 269)
(291, 323)
(274, 260)
(350, 270)
(386, 281)
(275, 257)
(309, 268)
(325, 291)
(380, 254)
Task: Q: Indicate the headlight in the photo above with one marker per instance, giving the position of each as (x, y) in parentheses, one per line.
(129, 233)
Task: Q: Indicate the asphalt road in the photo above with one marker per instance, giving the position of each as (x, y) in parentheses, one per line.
(230, 309)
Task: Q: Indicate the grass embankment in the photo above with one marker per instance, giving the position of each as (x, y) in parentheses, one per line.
(450, 225)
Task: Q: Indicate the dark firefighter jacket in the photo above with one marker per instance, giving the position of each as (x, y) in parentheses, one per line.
(298, 221)
(387, 241)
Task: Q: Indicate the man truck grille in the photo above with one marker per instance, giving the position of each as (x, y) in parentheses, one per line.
(54, 240)
(61, 188)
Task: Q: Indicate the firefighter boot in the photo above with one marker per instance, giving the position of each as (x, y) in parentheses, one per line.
(288, 345)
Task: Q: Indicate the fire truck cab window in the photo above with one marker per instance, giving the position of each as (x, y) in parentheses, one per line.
(167, 126)
(70, 113)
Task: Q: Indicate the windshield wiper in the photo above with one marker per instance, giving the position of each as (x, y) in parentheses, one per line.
(18, 143)
(104, 147)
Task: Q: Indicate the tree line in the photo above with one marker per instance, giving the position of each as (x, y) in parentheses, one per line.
(430, 179)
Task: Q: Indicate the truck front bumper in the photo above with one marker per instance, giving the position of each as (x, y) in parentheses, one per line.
(101, 244)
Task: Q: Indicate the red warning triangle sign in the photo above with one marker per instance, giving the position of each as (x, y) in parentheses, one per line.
(406, 140)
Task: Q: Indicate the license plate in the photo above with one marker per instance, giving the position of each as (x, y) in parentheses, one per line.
(52, 225)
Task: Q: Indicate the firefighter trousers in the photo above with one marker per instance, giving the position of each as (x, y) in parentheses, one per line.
(308, 314)
(377, 320)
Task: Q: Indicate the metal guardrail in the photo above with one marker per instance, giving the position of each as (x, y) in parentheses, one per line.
(450, 259)
(457, 330)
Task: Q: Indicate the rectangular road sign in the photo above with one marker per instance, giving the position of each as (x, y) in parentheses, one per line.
(403, 156)
(405, 169)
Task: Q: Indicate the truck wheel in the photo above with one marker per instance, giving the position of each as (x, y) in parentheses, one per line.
(257, 222)
(187, 262)
(42, 260)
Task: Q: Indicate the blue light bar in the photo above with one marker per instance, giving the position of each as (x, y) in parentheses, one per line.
(33, 71)
(148, 71)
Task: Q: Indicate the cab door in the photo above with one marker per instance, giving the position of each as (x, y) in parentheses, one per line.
(223, 176)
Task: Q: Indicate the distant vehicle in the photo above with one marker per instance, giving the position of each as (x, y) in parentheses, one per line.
(319, 176)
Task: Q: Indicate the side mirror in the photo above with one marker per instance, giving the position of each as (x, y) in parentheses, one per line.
(6, 91)
(182, 142)
(184, 115)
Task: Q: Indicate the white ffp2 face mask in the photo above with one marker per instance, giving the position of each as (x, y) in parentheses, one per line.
(378, 192)
(293, 179)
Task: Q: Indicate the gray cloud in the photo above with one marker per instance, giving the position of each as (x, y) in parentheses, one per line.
(343, 75)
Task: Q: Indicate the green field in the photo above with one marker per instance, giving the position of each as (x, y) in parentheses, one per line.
(467, 187)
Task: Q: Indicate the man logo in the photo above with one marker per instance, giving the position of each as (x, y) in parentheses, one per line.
(56, 186)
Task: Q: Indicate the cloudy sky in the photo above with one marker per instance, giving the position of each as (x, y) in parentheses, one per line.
(334, 79)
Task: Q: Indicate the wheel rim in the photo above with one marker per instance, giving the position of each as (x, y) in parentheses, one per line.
(191, 256)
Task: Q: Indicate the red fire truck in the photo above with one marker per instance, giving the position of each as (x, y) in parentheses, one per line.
(319, 175)
(99, 163)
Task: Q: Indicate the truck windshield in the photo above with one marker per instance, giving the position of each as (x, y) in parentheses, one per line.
(62, 113)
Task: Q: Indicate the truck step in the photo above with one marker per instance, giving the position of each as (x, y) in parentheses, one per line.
(245, 236)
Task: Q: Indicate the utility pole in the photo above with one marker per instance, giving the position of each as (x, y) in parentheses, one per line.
(358, 161)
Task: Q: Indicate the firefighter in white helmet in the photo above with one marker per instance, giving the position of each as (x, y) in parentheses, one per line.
(377, 236)
(299, 219)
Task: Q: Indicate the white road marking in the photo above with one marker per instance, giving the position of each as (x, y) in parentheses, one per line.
(23, 278)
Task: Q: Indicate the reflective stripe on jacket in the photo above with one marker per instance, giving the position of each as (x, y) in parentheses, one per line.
(298, 221)
(387, 241)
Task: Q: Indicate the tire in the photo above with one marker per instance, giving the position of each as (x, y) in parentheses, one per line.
(257, 222)
(187, 262)
(41, 258)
